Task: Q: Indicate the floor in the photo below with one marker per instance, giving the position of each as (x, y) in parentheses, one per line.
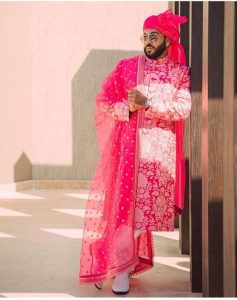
(40, 240)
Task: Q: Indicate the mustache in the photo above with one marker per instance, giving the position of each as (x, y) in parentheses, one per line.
(149, 46)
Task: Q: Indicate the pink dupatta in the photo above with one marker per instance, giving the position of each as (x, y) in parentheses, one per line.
(108, 244)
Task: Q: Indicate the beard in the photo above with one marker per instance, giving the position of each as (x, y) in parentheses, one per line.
(158, 51)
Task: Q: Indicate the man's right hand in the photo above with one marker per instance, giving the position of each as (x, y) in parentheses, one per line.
(136, 100)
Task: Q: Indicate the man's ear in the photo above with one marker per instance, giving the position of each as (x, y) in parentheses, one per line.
(167, 42)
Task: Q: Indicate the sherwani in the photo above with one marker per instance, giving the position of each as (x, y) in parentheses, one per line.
(165, 82)
(168, 84)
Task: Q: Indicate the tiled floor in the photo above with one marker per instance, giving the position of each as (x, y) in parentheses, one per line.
(40, 240)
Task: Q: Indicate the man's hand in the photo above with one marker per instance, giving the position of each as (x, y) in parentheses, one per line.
(136, 100)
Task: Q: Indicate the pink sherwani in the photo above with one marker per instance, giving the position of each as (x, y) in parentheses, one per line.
(156, 174)
(168, 84)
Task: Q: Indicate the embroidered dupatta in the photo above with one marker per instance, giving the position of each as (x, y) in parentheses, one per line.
(108, 244)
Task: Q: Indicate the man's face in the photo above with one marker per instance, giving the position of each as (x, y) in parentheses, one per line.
(154, 43)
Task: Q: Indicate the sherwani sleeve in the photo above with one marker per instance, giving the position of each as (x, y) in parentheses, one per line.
(170, 103)
(110, 98)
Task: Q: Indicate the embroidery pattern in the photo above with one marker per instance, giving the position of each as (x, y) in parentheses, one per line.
(169, 87)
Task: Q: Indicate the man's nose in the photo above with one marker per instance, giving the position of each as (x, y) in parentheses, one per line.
(147, 41)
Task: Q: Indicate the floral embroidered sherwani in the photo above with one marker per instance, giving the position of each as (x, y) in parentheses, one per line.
(168, 86)
(167, 83)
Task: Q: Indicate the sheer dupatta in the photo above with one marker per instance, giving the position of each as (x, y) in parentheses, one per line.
(108, 244)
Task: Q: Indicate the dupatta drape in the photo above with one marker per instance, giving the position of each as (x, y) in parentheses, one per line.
(108, 244)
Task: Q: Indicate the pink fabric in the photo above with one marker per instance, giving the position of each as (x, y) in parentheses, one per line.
(168, 85)
(108, 246)
(168, 24)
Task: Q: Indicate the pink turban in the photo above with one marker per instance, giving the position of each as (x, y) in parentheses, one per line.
(168, 24)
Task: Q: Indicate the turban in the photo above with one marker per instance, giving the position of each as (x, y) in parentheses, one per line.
(168, 24)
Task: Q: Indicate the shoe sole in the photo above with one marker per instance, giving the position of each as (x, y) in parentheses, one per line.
(98, 287)
(120, 293)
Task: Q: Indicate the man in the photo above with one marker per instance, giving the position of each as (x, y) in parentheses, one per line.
(138, 185)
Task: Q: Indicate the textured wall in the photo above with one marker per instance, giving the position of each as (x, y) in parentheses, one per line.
(68, 49)
(15, 93)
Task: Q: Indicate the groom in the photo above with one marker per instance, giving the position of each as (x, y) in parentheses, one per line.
(140, 178)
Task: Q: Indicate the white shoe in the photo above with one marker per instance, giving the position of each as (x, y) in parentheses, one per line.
(121, 283)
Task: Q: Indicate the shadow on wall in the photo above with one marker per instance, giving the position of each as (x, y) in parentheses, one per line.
(84, 87)
(23, 168)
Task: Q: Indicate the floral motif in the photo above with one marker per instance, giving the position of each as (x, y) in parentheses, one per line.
(117, 110)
